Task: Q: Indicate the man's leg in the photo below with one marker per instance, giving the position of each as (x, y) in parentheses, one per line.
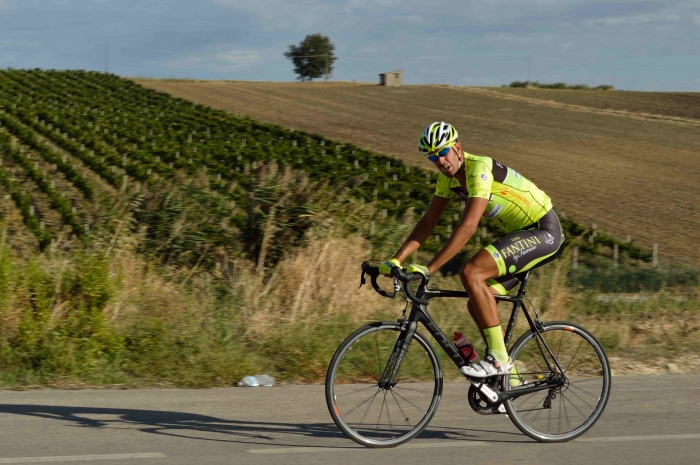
(474, 274)
(515, 378)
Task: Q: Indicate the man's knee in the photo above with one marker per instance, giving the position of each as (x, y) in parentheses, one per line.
(471, 274)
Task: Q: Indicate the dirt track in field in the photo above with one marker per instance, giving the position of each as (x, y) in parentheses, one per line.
(626, 160)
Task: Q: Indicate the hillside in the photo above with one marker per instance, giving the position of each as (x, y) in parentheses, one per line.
(684, 105)
(630, 173)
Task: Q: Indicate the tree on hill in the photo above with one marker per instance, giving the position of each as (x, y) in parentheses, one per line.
(313, 57)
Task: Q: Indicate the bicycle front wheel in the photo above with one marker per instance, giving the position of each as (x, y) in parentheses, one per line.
(363, 408)
(579, 376)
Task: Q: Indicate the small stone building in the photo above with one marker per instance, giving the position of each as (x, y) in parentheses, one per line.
(392, 78)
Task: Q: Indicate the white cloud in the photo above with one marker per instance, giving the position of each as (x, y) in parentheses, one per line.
(7, 4)
(225, 60)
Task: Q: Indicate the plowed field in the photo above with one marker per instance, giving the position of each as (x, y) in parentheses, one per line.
(628, 161)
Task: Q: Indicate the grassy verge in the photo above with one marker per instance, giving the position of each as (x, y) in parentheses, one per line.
(92, 318)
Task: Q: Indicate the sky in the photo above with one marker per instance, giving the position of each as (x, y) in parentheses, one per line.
(632, 45)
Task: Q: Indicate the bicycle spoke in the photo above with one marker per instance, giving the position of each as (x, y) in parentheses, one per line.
(379, 363)
(410, 389)
(574, 356)
(583, 362)
(584, 373)
(566, 413)
(560, 401)
(362, 403)
(411, 403)
(578, 410)
(579, 398)
(368, 407)
(561, 339)
(379, 418)
(388, 415)
(399, 406)
(578, 387)
(362, 389)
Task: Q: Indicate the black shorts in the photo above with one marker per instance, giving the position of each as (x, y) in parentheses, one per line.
(524, 250)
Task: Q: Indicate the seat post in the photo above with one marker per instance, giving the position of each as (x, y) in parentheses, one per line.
(521, 291)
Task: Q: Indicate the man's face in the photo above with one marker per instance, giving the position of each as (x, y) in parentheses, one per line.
(450, 163)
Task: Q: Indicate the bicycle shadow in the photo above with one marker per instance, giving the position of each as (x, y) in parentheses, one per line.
(207, 428)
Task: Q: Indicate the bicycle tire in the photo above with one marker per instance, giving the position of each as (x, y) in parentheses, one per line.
(516, 415)
(332, 400)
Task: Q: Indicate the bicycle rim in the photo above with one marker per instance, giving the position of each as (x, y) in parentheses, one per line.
(375, 416)
(576, 400)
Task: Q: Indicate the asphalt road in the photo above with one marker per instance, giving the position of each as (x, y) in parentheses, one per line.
(649, 420)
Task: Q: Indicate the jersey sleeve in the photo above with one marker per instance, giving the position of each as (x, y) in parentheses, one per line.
(479, 180)
(442, 187)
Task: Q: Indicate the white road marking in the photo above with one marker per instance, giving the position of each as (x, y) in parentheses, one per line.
(640, 438)
(426, 445)
(82, 458)
(416, 445)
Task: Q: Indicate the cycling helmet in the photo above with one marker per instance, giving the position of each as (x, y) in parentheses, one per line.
(436, 136)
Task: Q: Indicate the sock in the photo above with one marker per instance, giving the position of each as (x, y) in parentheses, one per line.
(497, 347)
(515, 378)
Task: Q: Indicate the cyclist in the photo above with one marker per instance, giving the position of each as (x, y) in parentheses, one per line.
(492, 190)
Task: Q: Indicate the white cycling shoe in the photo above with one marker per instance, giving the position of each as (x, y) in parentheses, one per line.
(488, 367)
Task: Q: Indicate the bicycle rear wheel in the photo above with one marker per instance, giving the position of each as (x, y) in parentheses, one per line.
(377, 416)
(577, 397)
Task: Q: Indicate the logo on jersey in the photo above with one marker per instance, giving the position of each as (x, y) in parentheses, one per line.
(516, 174)
(505, 192)
(483, 177)
(495, 255)
(494, 211)
(548, 238)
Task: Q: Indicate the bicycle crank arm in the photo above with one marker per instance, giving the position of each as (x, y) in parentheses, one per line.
(479, 384)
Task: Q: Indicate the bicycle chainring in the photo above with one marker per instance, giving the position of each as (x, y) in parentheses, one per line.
(480, 404)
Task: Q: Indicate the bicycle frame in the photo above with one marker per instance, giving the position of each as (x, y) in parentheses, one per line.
(420, 314)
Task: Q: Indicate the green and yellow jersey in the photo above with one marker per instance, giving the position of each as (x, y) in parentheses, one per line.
(513, 200)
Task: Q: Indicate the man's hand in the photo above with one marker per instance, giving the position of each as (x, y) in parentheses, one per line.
(385, 268)
(418, 269)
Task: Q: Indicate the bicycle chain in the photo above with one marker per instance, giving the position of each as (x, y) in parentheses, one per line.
(493, 409)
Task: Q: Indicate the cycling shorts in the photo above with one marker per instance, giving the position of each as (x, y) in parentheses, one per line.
(523, 250)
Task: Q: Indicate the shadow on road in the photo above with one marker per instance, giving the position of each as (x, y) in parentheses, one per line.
(194, 426)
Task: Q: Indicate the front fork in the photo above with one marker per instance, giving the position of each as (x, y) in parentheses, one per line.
(391, 370)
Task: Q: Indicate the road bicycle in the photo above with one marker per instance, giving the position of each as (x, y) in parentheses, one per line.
(384, 382)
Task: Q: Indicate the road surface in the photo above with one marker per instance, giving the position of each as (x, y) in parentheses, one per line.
(649, 420)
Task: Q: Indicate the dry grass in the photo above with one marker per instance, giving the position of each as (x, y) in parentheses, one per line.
(631, 175)
(146, 328)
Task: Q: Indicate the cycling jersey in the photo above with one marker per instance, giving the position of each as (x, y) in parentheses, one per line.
(513, 200)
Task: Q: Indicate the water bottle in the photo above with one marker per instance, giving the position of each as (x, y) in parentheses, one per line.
(257, 380)
(465, 348)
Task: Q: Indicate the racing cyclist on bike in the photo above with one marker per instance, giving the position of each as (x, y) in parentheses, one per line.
(490, 189)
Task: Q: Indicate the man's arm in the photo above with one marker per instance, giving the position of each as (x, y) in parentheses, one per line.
(424, 228)
(465, 230)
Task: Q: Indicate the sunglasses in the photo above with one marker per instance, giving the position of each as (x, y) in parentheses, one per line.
(441, 153)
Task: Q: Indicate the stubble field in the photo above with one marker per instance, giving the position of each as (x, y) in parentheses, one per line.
(628, 161)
